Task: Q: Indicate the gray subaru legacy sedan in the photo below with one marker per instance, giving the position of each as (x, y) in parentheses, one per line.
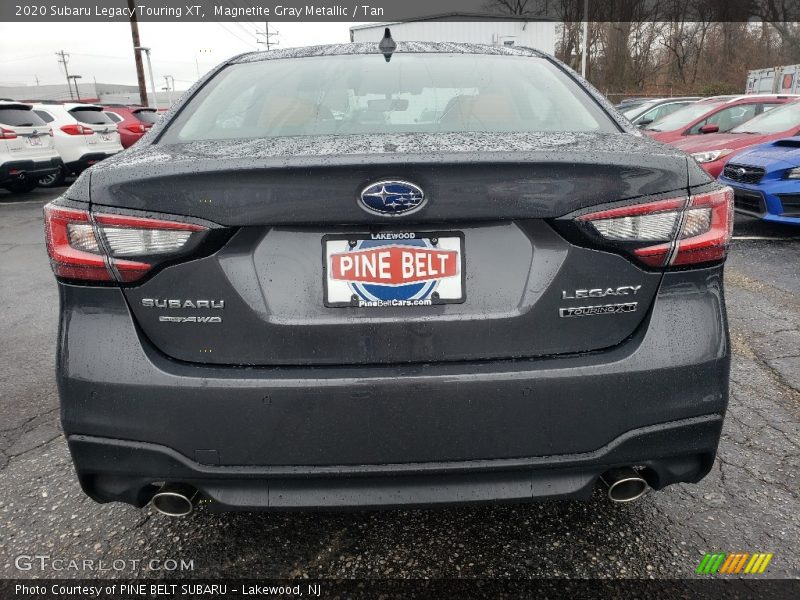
(373, 275)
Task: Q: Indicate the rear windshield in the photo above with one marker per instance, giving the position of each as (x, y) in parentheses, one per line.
(684, 116)
(20, 117)
(91, 117)
(363, 94)
(146, 116)
(774, 121)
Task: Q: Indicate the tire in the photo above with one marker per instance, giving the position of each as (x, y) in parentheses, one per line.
(54, 180)
(22, 186)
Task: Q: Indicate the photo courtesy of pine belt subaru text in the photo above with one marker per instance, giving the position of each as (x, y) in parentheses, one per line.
(411, 274)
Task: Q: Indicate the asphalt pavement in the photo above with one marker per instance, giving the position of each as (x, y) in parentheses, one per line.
(749, 503)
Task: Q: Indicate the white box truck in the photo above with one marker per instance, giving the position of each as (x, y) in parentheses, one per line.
(774, 80)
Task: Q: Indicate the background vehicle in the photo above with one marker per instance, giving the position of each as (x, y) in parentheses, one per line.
(630, 103)
(775, 80)
(575, 323)
(766, 181)
(647, 112)
(714, 150)
(712, 115)
(83, 134)
(26, 147)
(132, 121)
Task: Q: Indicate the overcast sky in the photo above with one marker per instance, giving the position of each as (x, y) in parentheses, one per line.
(104, 50)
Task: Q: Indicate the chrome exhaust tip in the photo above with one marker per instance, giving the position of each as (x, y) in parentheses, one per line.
(624, 484)
(175, 499)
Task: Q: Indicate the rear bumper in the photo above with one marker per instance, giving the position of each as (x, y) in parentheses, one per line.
(87, 160)
(129, 139)
(301, 437)
(29, 169)
(123, 471)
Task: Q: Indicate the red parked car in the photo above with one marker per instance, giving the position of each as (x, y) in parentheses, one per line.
(718, 114)
(132, 121)
(713, 151)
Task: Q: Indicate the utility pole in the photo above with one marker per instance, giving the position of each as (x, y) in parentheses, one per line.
(267, 36)
(138, 55)
(585, 36)
(150, 69)
(64, 59)
(169, 93)
(75, 79)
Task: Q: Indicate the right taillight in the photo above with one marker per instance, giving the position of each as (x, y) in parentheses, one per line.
(707, 229)
(108, 247)
(77, 129)
(136, 128)
(674, 232)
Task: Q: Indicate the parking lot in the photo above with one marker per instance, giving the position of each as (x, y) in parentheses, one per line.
(750, 502)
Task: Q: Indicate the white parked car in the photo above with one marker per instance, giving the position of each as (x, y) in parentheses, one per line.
(27, 151)
(83, 133)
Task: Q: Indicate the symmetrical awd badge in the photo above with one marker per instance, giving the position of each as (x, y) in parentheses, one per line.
(392, 198)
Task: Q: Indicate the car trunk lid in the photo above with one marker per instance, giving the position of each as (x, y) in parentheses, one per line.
(25, 134)
(266, 288)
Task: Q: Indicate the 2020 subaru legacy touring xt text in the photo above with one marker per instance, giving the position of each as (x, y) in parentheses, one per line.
(333, 278)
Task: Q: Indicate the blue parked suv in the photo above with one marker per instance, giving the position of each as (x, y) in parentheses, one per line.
(766, 181)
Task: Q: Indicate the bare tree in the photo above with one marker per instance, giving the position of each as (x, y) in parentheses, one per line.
(519, 8)
(685, 42)
(783, 15)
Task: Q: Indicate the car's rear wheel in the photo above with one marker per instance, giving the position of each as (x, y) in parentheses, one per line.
(21, 186)
(54, 179)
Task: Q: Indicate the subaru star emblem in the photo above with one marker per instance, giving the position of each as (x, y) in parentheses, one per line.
(392, 198)
(741, 172)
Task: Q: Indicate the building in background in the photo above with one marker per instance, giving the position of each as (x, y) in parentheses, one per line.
(98, 93)
(494, 31)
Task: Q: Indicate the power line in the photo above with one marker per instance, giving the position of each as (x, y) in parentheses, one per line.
(166, 60)
(232, 33)
(8, 60)
(241, 4)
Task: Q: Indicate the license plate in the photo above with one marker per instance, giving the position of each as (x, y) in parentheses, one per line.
(106, 137)
(34, 140)
(397, 269)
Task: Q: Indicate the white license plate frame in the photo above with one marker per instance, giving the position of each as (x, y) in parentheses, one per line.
(433, 247)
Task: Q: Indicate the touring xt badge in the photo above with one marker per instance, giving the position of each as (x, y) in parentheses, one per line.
(603, 309)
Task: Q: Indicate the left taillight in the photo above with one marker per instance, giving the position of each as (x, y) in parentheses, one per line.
(673, 232)
(107, 247)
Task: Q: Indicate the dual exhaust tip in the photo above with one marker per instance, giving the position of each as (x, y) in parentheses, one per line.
(179, 499)
(624, 484)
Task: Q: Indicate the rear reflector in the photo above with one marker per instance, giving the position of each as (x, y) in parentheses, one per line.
(97, 247)
(674, 232)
